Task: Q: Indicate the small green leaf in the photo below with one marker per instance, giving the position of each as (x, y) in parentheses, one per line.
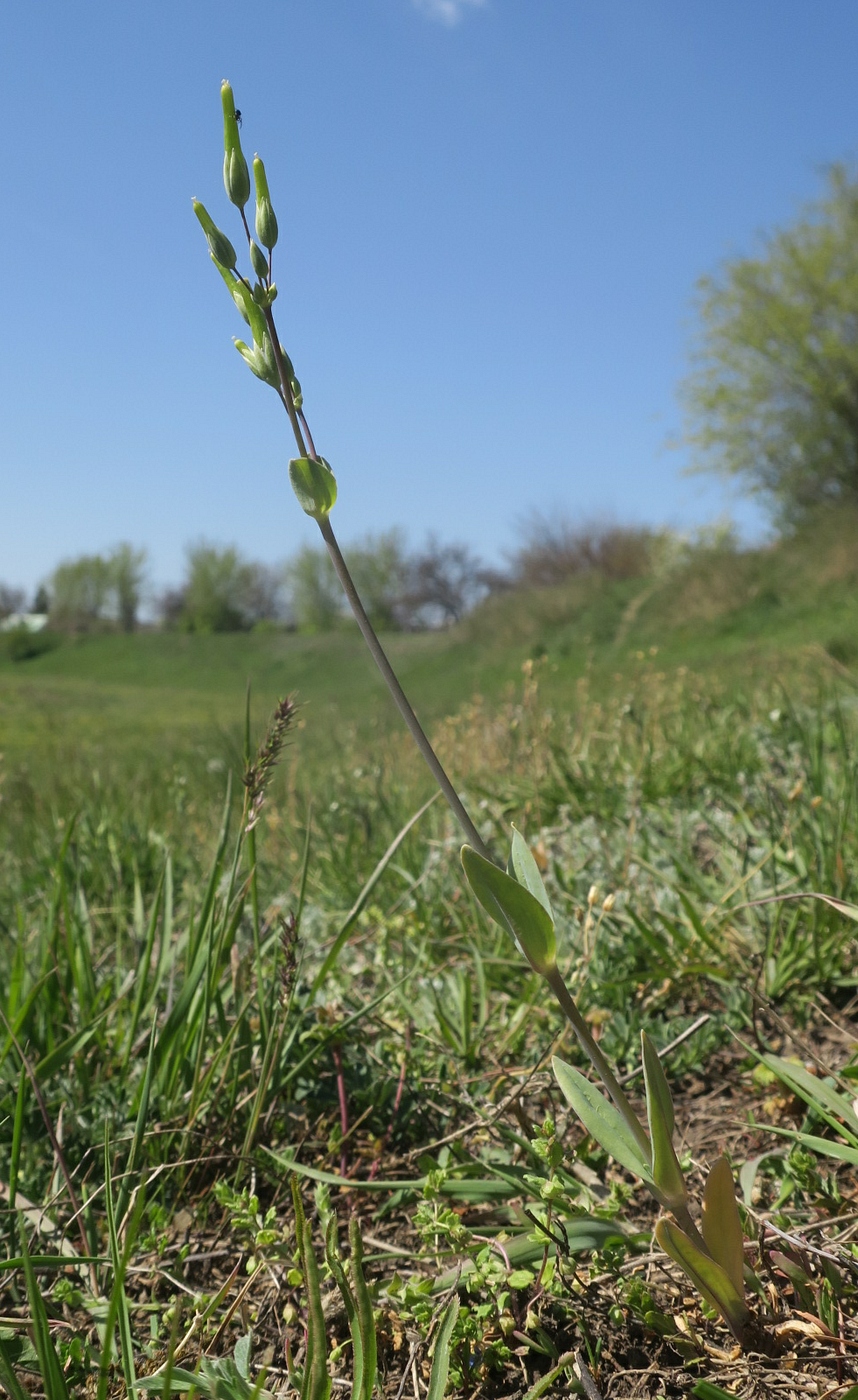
(666, 1173)
(315, 486)
(522, 866)
(722, 1228)
(513, 906)
(520, 1278)
(710, 1280)
(602, 1119)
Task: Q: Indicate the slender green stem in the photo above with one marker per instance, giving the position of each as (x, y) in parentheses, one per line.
(596, 1058)
(285, 386)
(377, 652)
(399, 697)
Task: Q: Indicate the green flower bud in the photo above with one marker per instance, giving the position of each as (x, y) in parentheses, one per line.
(219, 245)
(256, 360)
(236, 177)
(258, 261)
(266, 222)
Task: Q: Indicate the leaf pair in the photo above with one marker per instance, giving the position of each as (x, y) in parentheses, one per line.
(517, 900)
(713, 1263)
(718, 1271)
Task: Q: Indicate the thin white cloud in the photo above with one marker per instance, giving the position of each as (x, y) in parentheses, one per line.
(448, 12)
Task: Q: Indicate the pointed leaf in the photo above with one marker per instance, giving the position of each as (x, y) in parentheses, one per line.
(513, 907)
(522, 866)
(710, 1280)
(666, 1172)
(817, 1093)
(722, 1228)
(602, 1120)
(441, 1359)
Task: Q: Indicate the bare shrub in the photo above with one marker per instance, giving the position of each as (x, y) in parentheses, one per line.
(443, 583)
(553, 550)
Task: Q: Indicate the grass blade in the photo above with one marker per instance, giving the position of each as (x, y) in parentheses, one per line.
(441, 1358)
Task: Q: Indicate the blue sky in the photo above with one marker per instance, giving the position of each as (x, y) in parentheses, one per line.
(492, 212)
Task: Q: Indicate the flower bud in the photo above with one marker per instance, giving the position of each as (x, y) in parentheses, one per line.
(258, 261)
(258, 362)
(266, 223)
(219, 245)
(236, 177)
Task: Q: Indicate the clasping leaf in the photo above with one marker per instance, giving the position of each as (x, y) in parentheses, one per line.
(603, 1120)
(513, 906)
(666, 1172)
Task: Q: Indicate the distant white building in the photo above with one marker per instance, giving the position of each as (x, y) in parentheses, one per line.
(34, 622)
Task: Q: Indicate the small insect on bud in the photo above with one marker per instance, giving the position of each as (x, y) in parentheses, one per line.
(258, 261)
(266, 223)
(236, 176)
(219, 245)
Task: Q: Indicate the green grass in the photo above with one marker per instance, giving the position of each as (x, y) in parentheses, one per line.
(681, 747)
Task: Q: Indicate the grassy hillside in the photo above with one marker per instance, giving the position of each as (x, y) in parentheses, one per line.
(200, 1013)
(790, 609)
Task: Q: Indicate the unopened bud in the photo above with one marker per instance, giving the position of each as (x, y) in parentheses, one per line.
(593, 895)
(608, 902)
(258, 260)
(266, 223)
(219, 245)
(258, 362)
(236, 177)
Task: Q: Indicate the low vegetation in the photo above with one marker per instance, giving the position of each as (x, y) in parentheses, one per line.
(196, 1015)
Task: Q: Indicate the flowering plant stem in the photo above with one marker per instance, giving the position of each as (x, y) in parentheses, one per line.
(379, 656)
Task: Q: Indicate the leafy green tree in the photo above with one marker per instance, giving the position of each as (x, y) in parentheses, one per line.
(380, 570)
(80, 593)
(224, 592)
(773, 394)
(128, 571)
(314, 590)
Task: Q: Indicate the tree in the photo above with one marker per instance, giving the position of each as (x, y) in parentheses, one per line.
(773, 394)
(223, 592)
(128, 571)
(80, 593)
(314, 589)
(444, 582)
(380, 570)
(11, 600)
(97, 591)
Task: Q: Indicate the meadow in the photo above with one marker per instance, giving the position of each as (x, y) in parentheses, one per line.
(237, 1016)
